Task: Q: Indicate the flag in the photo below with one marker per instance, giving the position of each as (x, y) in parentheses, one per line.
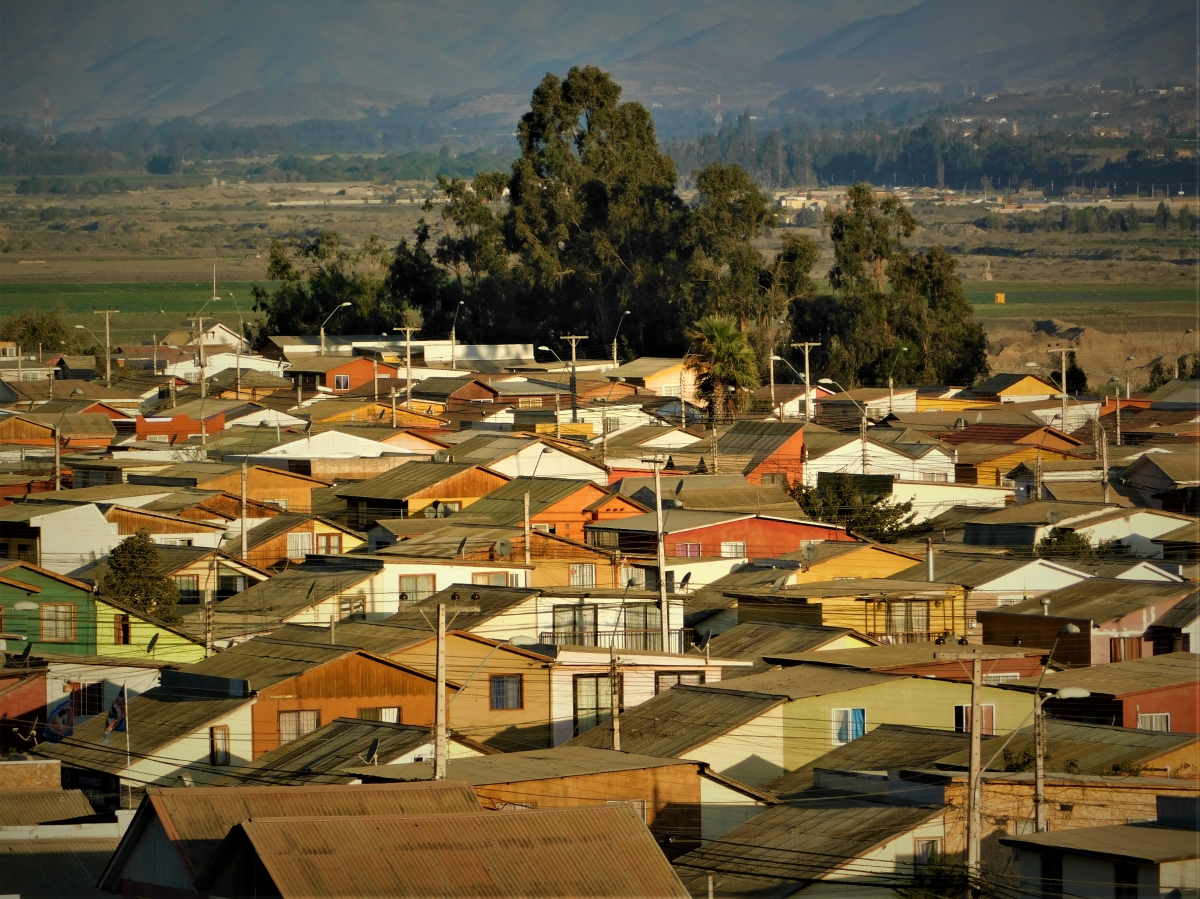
(116, 721)
(61, 723)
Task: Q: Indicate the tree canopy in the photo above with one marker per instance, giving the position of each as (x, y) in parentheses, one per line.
(839, 500)
(133, 578)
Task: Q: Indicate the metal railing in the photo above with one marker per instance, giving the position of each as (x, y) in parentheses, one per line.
(891, 638)
(648, 640)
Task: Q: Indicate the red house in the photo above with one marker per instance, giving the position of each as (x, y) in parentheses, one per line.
(690, 533)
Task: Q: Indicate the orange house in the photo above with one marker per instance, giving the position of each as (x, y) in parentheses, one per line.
(340, 374)
(558, 506)
(298, 687)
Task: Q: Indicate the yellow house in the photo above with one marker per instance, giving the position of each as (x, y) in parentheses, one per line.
(836, 561)
(125, 633)
(664, 377)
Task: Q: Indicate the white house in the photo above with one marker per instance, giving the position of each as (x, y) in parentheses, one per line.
(835, 452)
(523, 457)
(334, 445)
(60, 538)
(215, 363)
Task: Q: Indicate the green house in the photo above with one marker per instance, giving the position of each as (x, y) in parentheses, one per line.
(53, 613)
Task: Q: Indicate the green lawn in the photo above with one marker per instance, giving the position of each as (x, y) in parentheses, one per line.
(1076, 299)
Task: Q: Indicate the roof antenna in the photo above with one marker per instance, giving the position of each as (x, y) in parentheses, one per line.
(372, 756)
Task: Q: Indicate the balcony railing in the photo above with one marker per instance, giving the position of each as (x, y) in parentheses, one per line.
(891, 638)
(679, 640)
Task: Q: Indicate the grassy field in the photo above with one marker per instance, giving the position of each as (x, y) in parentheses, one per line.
(1026, 299)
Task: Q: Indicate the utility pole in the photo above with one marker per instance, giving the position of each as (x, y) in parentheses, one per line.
(108, 345)
(208, 623)
(439, 713)
(863, 434)
(393, 404)
(712, 439)
(1062, 351)
(771, 363)
(408, 333)
(614, 697)
(665, 624)
(975, 817)
(1039, 763)
(574, 339)
(245, 472)
(1100, 436)
(57, 460)
(1118, 398)
(808, 401)
(375, 378)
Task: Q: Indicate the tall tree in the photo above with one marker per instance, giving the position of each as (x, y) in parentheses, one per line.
(134, 579)
(724, 365)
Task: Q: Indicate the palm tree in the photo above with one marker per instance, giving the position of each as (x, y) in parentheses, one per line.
(725, 367)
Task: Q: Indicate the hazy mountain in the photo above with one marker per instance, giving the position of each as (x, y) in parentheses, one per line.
(259, 60)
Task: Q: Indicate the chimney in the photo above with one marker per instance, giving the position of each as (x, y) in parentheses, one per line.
(929, 566)
(1045, 605)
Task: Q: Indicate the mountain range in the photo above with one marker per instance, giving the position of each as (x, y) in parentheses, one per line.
(275, 61)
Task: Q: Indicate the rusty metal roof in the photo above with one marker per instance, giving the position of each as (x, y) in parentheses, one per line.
(1123, 678)
(753, 641)
(197, 819)
(54, 869)
(265, 662)
(1101, 599)
(378, 637)
(682, 719)
(586, 853)
(20, 808)
(806, 680)
(788, 847)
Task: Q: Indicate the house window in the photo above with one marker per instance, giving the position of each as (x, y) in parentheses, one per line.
(87, 699)
(58, 623)
(529, 402)
(1052, 881)
(1160, 721)
(733, 549)
(386, 714)
(1125, 880)
(189, 588)
(603, 539)
(229, 585)
(925, 851)
(1003, 677)
(121, 630)
(848, 724)
(593, 700)
(282, 503)
(583, 574)
(643, 626)
(908, 619)
(575, 625)
(490, 578)
(962, 719)
(293, 725)
(341, 382)
(158, 438)
(416, 587)
(299, 544)
(689, 550)
(1124, 649)
(508, 691)
(218, 745)
(665, 680)
(329, 544)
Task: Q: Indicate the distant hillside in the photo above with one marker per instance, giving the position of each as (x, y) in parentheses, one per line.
(259, 62)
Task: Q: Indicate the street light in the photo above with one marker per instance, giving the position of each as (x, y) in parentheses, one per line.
(327, 318)
(557, 392)
(620, 322)
(863, 428)
(891, 397)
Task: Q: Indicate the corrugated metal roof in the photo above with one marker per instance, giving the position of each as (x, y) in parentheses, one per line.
(1038, 513)
(787, 847)
(1182, 614)
(293, 590)
(882, 658)
(265, 661)
(1101, 599)
(646, 366)
(506, 504)
(199, 818)
(1083, 748)
(491, 601)
(887, 746)
(320, 757)
(404, 480)
(1120, 678)
(674, 521)
(378, 637)
(24, 807)
(803, 681)
(54, 869)
(449, 542)
(78, 424)
(1147, 844)
(603, 852)
(754, 640)
(515, 767)
(680, 720)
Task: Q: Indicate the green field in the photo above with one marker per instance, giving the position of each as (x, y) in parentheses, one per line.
(1028, 299)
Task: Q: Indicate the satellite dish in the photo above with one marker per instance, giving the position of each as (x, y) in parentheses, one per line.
(23, 657)
(810, 552)
(504, 547)
(683, 583)
(153, 642)
(372, 753)
(777, 584)
(443, 456)
(1053, 516)
(431, 511)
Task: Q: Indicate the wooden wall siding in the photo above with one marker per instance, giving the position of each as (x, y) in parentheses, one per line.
(339, 689)
(20, 432)
(671, 794)
(275, 551)
(865, 562)
(130, 521)
(993, 471)
(508, 730)
(785, 461)
(871, 617)
(228, 506)
(472, 483)
(268, 484)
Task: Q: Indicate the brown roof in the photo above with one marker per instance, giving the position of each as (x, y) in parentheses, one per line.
(601, 851)
(1122, 678)
(199, 818)
(25, 807)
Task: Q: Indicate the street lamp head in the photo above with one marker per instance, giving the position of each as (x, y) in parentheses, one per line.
(78, 391)
(824, 380)
(630, 312)
(776, 358)
(1070, 629)
(1031, 365)
(1072, 693)
(79, 328)
(345, 304)
(545, 349)
(904, 349)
